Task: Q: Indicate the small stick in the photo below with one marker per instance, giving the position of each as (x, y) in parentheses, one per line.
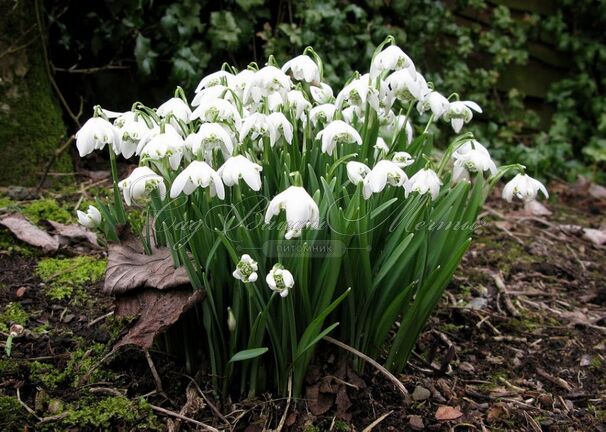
(27, 408)
(377, 421)
(376, 365)
(154, 372)
(283, 419)
(554, 380)
(502, 289)
(182, 417)
(96, 320)
(208, 402)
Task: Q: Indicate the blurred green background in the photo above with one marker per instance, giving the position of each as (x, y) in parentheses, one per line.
(537, 67)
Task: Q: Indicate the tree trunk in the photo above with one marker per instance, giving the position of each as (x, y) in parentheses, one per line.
(31, 122)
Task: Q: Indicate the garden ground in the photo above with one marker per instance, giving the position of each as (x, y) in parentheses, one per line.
(518, 342)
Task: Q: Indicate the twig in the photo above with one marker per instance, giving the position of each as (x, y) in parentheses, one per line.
(101, 318)
(154, 372)
(372, 362)
(502, 289)
(554, 380)
(182, 417)
(209, 402)
(91, 70)
(106, 390)
(377, 421)
(24, 405)
(283, 419)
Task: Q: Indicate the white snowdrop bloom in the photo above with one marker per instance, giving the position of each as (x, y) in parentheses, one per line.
(358, 92)
(198, 174)
(391, 58)
(303, 68)
(301, 210)
(218, 91)
(238, 167)
(275, 101)
(403, 86)
(422, 85)
(264, 82)
(246, 269)
(402, 159)
(459, 113)
(471, 157)
(254, 126)
(210, 136)
(337, 132)
(168, 128)
(356, 172)
(424, 181)
(165, 145)
(523, 187)
(279, 126)
(391, 125)
(95, 134)
(112, 114)
(176, 107)
(381, 148)
(383, 173)
(351, 114)
(140, 183)
(239, 82)
(435, 102)
(322, 113)
(91, 219)
(321, 94)
(214, 110)
(215, 78)
(297, 101)
(132, 129)
(280, 280)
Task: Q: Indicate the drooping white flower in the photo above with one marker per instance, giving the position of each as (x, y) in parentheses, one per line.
(176, 107)
(275, 101)
(239, 82)
(523, 187)
(356, 172)
(392, 125)
(424, 181)
(246, 269)
(459, 113)
(471, 157)
(422, 85)
(351, 114)
(358, 92)
(303, 68)
(337, 132)
(140, 183)
(266, 81)
(297, 101)
(279, 126)
(435, 102)
(91, 219)
(132, 129)
(322, 113)
(198, 174)
(402, 159)
(301, 210)
(381, 148)
(273, 126)
(214, 110)
(215, 78)
(165, 145)
(95, 134)
(391, 58)
(218, 91)
(401, 85)
(239, 167)
(321, 94)
(280, 280)
(209, 137)
(383, 173)
(254, 126)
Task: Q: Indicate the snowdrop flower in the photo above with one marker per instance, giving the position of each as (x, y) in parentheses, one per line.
(358, 92)
(215, 78)
(91, 219)
(238, 167)
(434, 101)
(391, 58)
(132, 129)
(356, 172)
(280, 280)
(176, 107)
(322, 113)
(383, 173)
(210, 136)
(279, 126)
(337, 132)
(422, 85)
(140, 183)
(401, 85)
(217, 110)
(523, 187)
(246, 269)
(167, 144)
(95, 134)
(266, 81)
(471, 157)
(303, 68)
(297, 101)
(198, 174)
(255, 126)
(460, 112)
(238, 83)
(402, 159)
(424, 181)
(301, 210)
(380, 147)
(218, 91)
(321, 94)
(391, 125)
(350, 114)
(273, 126)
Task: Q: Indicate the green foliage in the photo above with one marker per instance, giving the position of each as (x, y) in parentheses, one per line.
(11, 412)
(65, 275)
(13, 314)
(46, 209)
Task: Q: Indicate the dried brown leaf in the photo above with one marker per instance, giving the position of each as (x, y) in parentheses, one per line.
(72, 232)
(445, 413)
(29, 233)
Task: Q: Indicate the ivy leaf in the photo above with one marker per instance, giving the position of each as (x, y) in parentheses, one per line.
(146, 57)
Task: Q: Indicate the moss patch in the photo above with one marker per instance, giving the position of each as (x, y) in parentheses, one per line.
(11, 412)
(48, 209)
(13, 314)
(67, 277)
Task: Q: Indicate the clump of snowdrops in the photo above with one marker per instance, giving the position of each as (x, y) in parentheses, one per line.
(301, 213)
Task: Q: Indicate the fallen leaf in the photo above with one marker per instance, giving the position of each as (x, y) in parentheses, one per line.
(597, 237)
(318, 402)
(73, 232)
(535, 208)
(128, 268)
(597, 191)
(29, 233)
(497, 411)
(448, 413)
(416, 422)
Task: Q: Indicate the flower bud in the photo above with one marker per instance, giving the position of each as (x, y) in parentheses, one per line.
(231, 320)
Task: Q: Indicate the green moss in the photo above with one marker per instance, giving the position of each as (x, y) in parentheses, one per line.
(48, 209)
(13, 314)
(68, 276)
(11, 413)
(46, 374)
(11, 245)
(8, 366)
(6, 202)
